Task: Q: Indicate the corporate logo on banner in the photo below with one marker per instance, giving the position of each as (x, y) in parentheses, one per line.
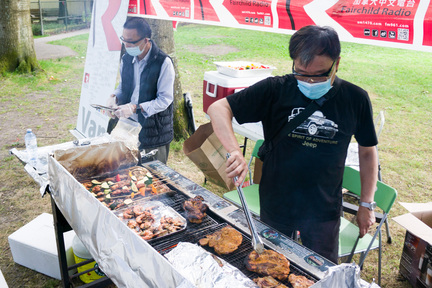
(251, 12)
(179, 8)
(384, 20)
(101, 66)
(394, 23)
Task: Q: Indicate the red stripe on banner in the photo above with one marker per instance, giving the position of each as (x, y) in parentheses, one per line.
(113, 41)
(146, 8)
(292, 15)
(427, 27)
(203, 10)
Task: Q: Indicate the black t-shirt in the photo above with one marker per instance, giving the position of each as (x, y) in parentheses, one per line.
(302, 176)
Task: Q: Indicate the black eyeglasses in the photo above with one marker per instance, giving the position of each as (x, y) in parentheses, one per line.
(131, 42)
(313, 78)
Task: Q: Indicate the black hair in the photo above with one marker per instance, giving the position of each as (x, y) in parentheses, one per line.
(140, 24)
(311, 41)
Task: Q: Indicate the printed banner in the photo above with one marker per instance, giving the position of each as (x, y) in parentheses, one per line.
(292, 16)
(102, 64)
(203, 10)
(251, 12)
(177, 8)
(393, 23)
(385, 20)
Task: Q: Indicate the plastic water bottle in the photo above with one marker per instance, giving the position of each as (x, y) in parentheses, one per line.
(31, 147)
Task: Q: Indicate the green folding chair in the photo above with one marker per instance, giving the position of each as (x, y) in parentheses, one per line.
(250, 192)
(349, 242)
(352, 209)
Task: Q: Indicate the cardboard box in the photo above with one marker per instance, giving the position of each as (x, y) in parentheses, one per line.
(207, 152)
(416, 260)
(217, 86)
(34, 246)
(257, 171)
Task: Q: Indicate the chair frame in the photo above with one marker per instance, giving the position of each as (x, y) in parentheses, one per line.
(385, 197)
(352, 209)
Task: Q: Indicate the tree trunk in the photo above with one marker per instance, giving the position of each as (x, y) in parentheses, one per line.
(163, 35)
(17, 46)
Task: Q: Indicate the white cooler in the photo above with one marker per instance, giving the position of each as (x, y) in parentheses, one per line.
(34, 246)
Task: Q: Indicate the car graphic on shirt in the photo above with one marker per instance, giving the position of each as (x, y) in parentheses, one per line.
(316, 125)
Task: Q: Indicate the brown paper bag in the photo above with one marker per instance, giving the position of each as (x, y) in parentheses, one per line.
(207, 152)
(257, 171)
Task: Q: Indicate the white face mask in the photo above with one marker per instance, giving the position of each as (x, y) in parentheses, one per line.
(314, 90)
(134, 51)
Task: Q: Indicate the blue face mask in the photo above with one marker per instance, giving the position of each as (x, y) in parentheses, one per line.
(314, 90)
(134, 51)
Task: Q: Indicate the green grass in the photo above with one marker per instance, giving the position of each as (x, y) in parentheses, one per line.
(50, 83)
(397, 80)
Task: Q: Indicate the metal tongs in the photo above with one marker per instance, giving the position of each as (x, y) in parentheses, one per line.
(257, 243)
(102, 108)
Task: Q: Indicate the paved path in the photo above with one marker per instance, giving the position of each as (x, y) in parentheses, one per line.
(49, 51)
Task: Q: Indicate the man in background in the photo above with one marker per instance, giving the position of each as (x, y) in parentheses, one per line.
(146, 89)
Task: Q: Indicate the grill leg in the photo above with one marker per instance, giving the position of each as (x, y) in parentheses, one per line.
(61, 226)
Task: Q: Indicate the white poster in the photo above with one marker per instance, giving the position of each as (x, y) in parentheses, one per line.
(101, 66)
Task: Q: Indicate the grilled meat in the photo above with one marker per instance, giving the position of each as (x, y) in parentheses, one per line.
(300, 281)
(268, 282)
(195, 209)
(269, 263)
(224, 241)
(143, 220)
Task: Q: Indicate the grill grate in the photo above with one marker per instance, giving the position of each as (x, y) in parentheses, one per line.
(194, 232)
(236, 258)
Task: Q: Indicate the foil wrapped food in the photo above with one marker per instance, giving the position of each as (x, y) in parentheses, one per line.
(345, 275)
(204, 269)
(87, 161)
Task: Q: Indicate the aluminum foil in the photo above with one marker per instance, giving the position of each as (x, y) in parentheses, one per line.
(204, 269)
(123, 256)
(96, 160)
(39, 173)
(126, 132)
(343, 276)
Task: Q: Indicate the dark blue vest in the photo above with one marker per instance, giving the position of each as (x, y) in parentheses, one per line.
(157, 130)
